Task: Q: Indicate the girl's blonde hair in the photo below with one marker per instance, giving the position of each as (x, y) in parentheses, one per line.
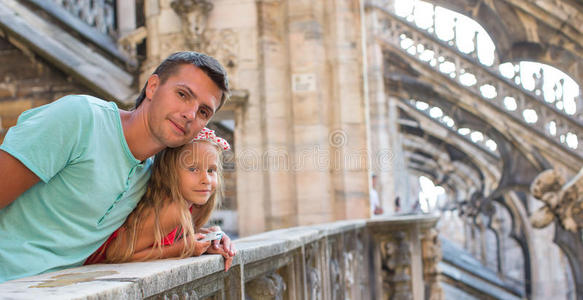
(163, 189)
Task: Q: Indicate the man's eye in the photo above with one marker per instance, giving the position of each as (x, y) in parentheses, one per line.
(181, 94)
(204, 113)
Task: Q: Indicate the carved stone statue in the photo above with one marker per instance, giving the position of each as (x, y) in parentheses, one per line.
(562, 201)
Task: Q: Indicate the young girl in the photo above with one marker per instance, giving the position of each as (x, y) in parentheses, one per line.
(182, 192)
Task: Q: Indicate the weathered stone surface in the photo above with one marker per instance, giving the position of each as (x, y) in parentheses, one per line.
(268, 264)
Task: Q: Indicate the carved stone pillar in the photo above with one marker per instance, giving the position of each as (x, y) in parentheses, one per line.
(383, 132)
(267, 287)
(431, 252)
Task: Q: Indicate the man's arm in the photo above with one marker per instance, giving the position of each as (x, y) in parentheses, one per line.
(15, 179)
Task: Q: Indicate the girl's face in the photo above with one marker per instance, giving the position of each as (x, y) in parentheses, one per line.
(197, 172)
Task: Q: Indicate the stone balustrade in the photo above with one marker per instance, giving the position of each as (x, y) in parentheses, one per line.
(384, 258)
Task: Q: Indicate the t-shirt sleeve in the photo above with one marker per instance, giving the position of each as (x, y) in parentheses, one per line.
(47, 138)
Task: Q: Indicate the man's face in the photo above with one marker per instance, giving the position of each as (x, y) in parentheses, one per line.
(180, 107)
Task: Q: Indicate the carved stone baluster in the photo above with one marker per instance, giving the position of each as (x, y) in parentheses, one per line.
(579, 105)
(350, 257)
(502, 93)
(474, 53)
(453, 40)
(361, 274)
(314, 283)
(432, 29)
(538, 82)
(335, 277)
(558, 91)
(98, 13)
(268, 287)
(431, 252)
(396, 262)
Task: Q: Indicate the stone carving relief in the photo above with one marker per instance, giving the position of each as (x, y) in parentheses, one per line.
(270, 286)
(431, 253)
(194, 15)
(349, 271)
(396, 262)
(335, 277)
(312, 274)
(561, 200)
(222, 44)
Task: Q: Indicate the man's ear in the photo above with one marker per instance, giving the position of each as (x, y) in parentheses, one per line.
(152, 85)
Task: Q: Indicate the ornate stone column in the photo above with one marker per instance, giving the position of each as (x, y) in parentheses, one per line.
(431, 252)
(408, 256)
(381, 136)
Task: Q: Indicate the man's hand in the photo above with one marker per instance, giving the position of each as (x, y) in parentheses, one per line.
(378, 210)
(15, 178)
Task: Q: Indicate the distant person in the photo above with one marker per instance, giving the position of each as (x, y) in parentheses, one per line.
(375, 204)
(183, 191)
(416, 208)
(397, 204)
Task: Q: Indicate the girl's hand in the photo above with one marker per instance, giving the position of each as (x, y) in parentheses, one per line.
(224, 243)
(200, 247)
(228, 258)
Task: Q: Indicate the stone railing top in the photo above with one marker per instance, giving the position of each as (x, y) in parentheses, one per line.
(145, 279)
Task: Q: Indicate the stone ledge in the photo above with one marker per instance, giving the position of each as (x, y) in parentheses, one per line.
(144, 279)
(147, 279)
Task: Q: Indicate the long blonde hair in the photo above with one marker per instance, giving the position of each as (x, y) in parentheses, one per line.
(163, 189)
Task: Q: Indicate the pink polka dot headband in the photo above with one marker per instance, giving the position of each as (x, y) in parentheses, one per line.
(209, 135)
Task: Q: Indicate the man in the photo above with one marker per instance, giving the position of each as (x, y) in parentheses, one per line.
(375, 204)
(72, 171)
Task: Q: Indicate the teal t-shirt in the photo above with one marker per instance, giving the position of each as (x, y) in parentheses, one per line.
(90, 182)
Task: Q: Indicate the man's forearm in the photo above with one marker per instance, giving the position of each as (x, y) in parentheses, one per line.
(15, 179)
